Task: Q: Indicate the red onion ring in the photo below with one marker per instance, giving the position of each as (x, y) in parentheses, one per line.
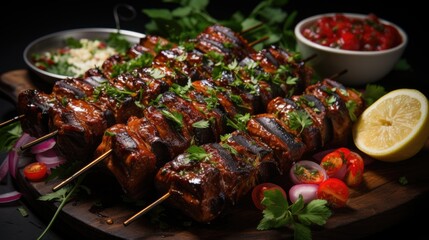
(50, 158)
(13, 156)
(43, 146)
(10, 197)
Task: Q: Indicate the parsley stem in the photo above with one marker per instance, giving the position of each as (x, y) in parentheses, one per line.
(60, 207)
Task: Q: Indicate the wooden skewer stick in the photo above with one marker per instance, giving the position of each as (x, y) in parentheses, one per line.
(39, 140)
(337, 75)
(11, 120)
(146, 209)
(258, 41)
(82, 170)
(251, 28)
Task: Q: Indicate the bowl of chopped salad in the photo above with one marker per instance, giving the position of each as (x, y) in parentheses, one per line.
(71, 53)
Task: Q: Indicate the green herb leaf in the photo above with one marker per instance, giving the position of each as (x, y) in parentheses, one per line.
(372, 93)
(197, 153)
(9, 134)
(298, 120)
(201, 124)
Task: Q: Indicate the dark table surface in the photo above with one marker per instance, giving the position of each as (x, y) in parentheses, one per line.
(28, 21)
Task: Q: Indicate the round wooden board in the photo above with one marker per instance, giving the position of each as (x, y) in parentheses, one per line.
(380, 202)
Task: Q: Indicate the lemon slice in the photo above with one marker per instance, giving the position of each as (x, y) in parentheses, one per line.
(395, 127)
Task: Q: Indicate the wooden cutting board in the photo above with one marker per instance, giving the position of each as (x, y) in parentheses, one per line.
(380, 202)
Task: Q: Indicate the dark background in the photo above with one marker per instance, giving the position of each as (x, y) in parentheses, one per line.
(25, 22)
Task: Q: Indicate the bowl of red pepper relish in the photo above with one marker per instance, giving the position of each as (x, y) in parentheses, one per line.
(367, 46)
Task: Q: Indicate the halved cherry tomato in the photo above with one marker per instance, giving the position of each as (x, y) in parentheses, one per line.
(35, 171)
(334, 191)
(258, 193)
(355, 168)
(333, 162)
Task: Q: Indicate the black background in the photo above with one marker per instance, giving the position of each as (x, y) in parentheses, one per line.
(22, 22)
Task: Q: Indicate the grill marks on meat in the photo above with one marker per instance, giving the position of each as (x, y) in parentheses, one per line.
(80, 128)
(137, 165)
(232, 173)
(287, 147)
(244, 159)
(35, 105)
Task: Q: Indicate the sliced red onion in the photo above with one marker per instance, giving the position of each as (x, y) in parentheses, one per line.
(13, 156)
(4, 168)
(307, 190)
(50, 158)
(10, 197)
(43, 146)
(311, 166)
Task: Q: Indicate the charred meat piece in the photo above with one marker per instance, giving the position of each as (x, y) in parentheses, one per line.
(80, 128)
(191, 117)
(195, 187)
(318, 113)
(337, 112)
(218, 97)
(173, 142)
(350, 96)
(270, 130)
(249, 151)
(73, 88)
(297, 120)
(132, 164)
(35, 105)
(216, 117)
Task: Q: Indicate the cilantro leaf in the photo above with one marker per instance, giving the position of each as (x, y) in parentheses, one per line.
(372, 93)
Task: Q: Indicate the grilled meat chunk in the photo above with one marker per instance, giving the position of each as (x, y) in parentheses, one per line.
(270, 130)
(80, 128)
(195, 187)
(131, 163)
(36, 106)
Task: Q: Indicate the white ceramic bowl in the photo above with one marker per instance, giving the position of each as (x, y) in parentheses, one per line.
(362, 66)
(57, 40)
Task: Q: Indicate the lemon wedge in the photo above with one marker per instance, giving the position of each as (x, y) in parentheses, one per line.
(395, 127)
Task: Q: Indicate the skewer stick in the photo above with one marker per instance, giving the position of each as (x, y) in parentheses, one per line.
(39, 140)
(251, 28)
(82, 170)
(11, 120)
(337, 75)
(146, 209)
(258, 41)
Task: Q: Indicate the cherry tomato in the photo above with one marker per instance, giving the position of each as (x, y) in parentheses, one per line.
(332, 162)
(35, 171)
(355, 168)
(258, 193)
(334, 191)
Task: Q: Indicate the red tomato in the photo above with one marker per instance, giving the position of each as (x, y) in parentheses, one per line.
(334, 191)
(355, 168)
(332, 162)
(258, 193)
(35, 171)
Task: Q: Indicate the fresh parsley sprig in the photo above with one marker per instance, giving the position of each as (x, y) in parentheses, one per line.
(297, 216)
(9, 134)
